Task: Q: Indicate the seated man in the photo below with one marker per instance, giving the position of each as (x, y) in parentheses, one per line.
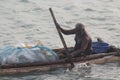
(83, 42)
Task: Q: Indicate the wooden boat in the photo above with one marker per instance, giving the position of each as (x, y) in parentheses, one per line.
(62, 63)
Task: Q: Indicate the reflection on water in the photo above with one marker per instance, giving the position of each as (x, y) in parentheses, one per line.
(30, 21)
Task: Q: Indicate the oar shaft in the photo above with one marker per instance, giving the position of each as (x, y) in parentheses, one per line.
(62, 39)
(56, 24)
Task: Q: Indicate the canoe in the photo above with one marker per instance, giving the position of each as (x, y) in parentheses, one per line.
(62, 63)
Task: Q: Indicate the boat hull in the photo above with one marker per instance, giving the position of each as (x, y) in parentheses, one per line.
(31, 67)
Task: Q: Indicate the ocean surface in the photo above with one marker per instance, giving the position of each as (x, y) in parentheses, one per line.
(29, 21)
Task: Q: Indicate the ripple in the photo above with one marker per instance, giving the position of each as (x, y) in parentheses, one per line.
(99, 18)
(118, 35)
(112, 29)
(37, 9)
(27, 26)
(25, 1)
(68, 8)
(89, 9)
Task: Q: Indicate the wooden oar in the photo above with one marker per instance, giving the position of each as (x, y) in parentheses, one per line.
(62, 39)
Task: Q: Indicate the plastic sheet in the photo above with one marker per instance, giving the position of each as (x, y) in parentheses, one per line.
(12, 55)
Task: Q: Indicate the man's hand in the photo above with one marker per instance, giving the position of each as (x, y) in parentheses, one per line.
(71, 55)
(58, 26)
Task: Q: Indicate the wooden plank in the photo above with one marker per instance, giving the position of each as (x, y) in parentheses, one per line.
(64, 61)
(53, 66)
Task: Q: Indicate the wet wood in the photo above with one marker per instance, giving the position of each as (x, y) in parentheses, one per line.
(53, 66)
(29, 67)
(63, 61)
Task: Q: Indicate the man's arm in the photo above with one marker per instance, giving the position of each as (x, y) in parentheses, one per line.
(67, 32)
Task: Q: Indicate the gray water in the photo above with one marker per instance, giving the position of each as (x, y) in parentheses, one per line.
(29, 21)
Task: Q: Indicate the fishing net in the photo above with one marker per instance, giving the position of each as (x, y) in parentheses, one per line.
(12, 55)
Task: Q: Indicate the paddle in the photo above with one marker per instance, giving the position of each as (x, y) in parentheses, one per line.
(62, 39)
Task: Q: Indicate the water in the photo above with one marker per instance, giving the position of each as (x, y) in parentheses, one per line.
(30, 21)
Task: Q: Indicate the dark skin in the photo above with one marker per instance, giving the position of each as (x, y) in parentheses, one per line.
(82, 39)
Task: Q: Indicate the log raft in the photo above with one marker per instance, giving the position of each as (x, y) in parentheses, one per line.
(63, 63)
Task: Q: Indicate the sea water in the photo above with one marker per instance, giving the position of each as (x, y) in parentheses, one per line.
(29, 21)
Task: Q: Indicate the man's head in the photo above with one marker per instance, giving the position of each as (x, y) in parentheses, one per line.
(80, 27)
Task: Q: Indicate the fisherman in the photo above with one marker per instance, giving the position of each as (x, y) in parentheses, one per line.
(83, 41)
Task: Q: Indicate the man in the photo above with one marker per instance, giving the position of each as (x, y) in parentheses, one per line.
(83, 42)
